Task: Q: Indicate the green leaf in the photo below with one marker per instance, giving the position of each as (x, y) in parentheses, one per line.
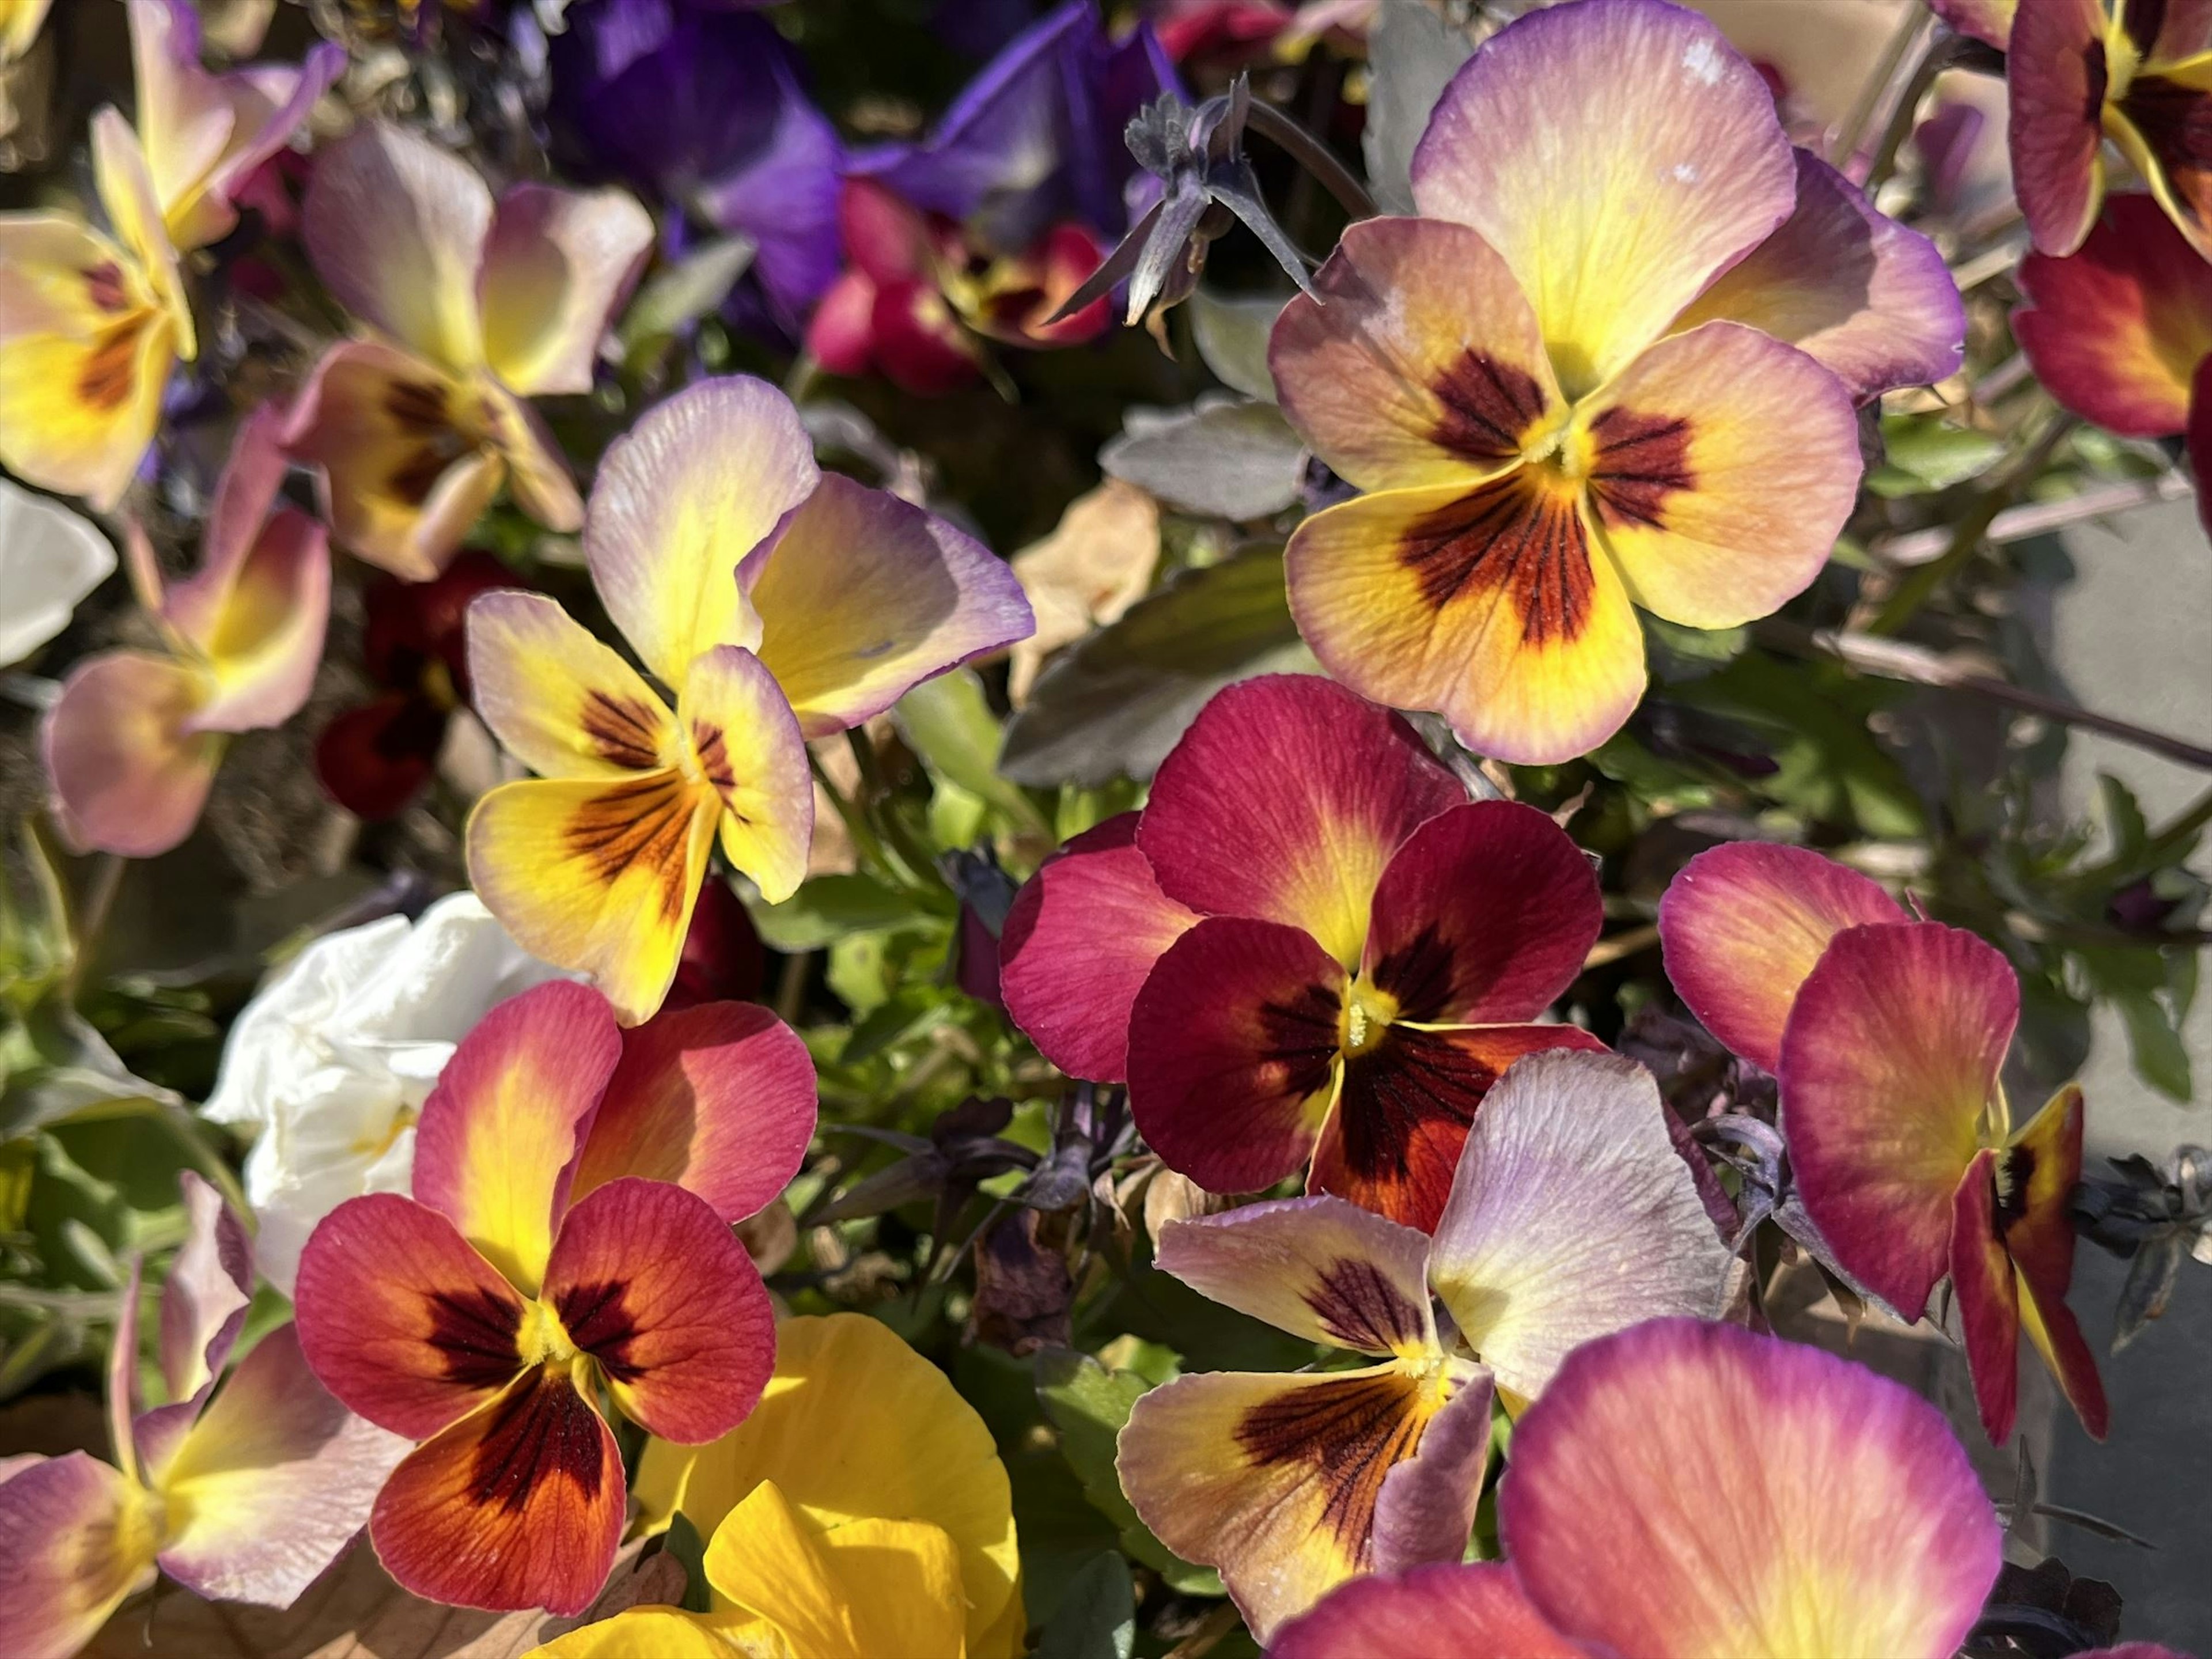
(948, 723)
(1113, 704)
(1088, 1405)
(1923, 453)
(1680, 654)
(1097, 1614)
(684, 292)
(1232, 459)
(682, 1540)
(830, 908)
(1231, 334)
(2160, 1057)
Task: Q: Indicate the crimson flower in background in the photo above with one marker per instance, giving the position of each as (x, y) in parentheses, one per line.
(1309, 946)
(1685, 1489)
(570, 1233)
(1888, 1036)
(2121, 332)
(376, 758)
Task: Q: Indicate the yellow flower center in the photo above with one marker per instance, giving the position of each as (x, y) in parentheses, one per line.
(1365, 1019)
(377, 1145)
(543, 1339)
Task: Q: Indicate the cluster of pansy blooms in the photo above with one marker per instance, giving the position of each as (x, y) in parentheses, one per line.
(1617, 360)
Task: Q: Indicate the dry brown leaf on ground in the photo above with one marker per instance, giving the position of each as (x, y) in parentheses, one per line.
(1094, 565)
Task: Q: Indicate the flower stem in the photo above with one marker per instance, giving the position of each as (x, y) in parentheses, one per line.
(1315, 157)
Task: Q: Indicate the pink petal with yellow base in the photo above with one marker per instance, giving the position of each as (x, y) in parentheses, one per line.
(557, 265)
(652, 1285)
(77, 1538)
(1082, 936)
(1742, 925)
(1572, 1216)
(558, 698)
(1888, 1066)
(1233, 1050)
(1987, 1291)
(1283, 801)
(496, 1147)
(205, 1299)
(1864, 297)
(719, 1099)
(127, 761)
(519, 1504)
(400, 1319)
(1852, 1522)
(268, 642)
(1614, 197)
(862, 596)
(273, 1481)
(695, 486)
(1416, 361)
(2055, 81)
(749, 748)
(1476, 1611)
(1317, 1268)
(2117, 331)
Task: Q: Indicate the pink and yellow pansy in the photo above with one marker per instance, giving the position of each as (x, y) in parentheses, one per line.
(1692, 1491)
(1572, 1215)
(568, 1237)
(133, 745)
(91, 321)
(2120, 332)
(243, 1492)
(1612, 365)
(1888, 1037)
(1309, 946)
(862, 1511)
(471, 306)
(778, 604)
(2079, 72)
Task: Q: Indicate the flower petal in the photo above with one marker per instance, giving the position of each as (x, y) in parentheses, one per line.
(51, 558)
(1484, 914)
(1741, 926)
(1723, 465)
(2159, 123)
(855, 1424)
(695, 485)
(861, 596)
(719, 1098)
(204, 1298)
(2042, 1167)
(1848, 286)
(1083, 933)
(1272, 1479)
(498, 1143)
(1478, 1608)
(402, 1321)
(1415, 361)
(1572, 1216)
(1402, 1113)
(596, 877)
(403, 477)
(559, 699)
(1232, 1052)
(664, 1632)
(651, 1283)
(127, 766)
(1424, 1511)
(749, 748)
(1283, 801)
(557, 265)
(2117, 331)
(519, 1504)
(1889, 1061)
(1852, 1522)
(273, 1481)
(2055, 77)
(1614, 195)
(77, 1539)
(1317, 1268)
(267, 640)
(397, 230)
(1489, 606)
(1987, 1291)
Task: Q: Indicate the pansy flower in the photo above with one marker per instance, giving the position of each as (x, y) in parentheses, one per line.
(241, 1492)
(1309, 944)
(1612, 366)
(91, 321)
(1888, 1037)
(1692, 1491)
(2078, 72)
(376, 758)
(1572, 1215)
(2120, 332)
(858, 1438)
(777, 604)
(133, 745)
(568, 1237)
(473, 305)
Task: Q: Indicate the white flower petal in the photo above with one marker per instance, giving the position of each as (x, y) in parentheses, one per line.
(50, 558)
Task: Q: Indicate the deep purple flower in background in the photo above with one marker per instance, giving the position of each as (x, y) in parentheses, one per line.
(703, 105)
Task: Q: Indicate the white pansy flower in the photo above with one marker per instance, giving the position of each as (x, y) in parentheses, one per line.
(334, 1057)
(50, 559)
